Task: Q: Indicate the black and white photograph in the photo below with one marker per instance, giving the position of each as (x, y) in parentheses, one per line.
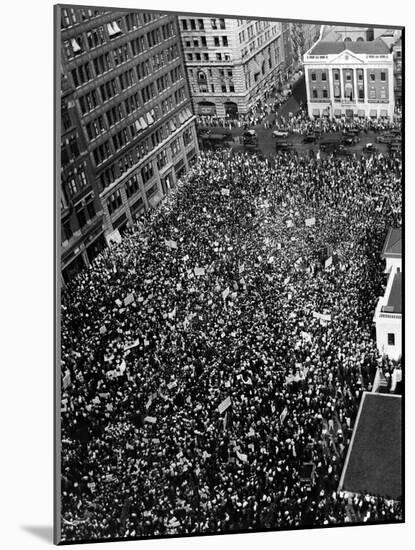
(229, 273)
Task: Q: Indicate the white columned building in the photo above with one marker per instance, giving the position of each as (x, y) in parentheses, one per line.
(350, 79)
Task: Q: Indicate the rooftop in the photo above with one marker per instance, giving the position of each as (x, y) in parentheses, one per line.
(360, 47)
(393, 243)
(374, 460)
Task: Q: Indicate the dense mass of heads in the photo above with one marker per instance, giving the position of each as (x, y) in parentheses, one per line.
(146, 449)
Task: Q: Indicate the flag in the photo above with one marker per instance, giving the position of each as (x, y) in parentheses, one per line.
(129, 299)
(66, 380)
(224, 405)
(283, 415)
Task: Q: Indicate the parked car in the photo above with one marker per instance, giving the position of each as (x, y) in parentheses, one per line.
(385, 138)
(250, 138)
(395, 147)
(351, 131)
(369, 148)
(310, 138)
(330, 145)
(280, 133)
(350, 139)
(283, 145)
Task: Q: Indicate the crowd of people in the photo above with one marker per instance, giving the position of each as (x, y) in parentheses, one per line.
(213, 361)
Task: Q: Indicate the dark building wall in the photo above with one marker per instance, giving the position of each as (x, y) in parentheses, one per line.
(129, 99)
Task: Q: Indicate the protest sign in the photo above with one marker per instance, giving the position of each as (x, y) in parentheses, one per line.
(66, 380)
(283, 415)
(225, 293)
(171, 244)
(103, 329)
(242, 457)
(289, 223)
(310, 221)
(321, 316)
(199, 271)
(328, 262)
(224, 405)
(225, 192)
(133, 345)
(129, 299)
(150, 419)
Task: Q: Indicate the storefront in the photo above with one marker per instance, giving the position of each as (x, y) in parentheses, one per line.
(206, 108)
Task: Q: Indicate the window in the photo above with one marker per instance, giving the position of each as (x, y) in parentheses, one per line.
(198, 56)
(162, 159)
(201, 25)
(213, 24)
(66, 230)
(101, 64)
(108, 90)
(184, 24)
(95, 37)
(325, 93)
(90, 207)
(147, 172)
(195, 42)
(212, 87)
(391, 339)
(216, 41)
(232, 88)
(137, 45)
(153, 38)
(203, 41)
(314, 93)
(372, 77)
(193, 24)
(114, 201)
(336, 76)
(323, 76)
(224, 40)
(218, 57)
(348, 76)
(361, 93)
(175, 148)
(121, 55)
(205, 57)
(132, 186)
(222, 24)
(313, 76)
(187, 136)
(383, 76)
(224, 88)
(126, 79)
(189, 57)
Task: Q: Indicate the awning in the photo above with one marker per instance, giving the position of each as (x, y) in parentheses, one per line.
(137, 125)
(383, 113)
(188, 112)
(149, 119)
(143, 123)
(316, 112)
(361, 113)
(172, 126)
(373, 113)
(75, 46)
(326, 111)
(155, 199)
(181, 118)
(113, 29)
(337, 112)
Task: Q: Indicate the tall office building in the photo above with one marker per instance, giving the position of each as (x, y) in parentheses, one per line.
(127, 128)
(231, 63)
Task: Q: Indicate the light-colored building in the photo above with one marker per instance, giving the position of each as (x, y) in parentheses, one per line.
(388, 313)
(350, 79)
(231, 63)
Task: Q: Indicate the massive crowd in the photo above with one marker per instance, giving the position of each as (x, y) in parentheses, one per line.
(214, 360)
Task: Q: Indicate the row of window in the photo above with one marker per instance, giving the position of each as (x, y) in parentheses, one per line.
(373, 93)
(204, 88)
(348, 75)
(73, 16)
(69, 150)
(104, 33)
(85, 212)
(116, 170)
(193, 24)
(74, 181)
(201, 75)
(219, 56)
(83, 74)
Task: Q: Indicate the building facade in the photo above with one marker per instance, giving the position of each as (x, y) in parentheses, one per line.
(388, 313)
(231, 63)
(350, 79)
(128, 131)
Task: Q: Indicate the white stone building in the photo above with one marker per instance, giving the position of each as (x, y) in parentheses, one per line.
(350, 79)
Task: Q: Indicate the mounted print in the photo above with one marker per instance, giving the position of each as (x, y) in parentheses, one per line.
(229, 278)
